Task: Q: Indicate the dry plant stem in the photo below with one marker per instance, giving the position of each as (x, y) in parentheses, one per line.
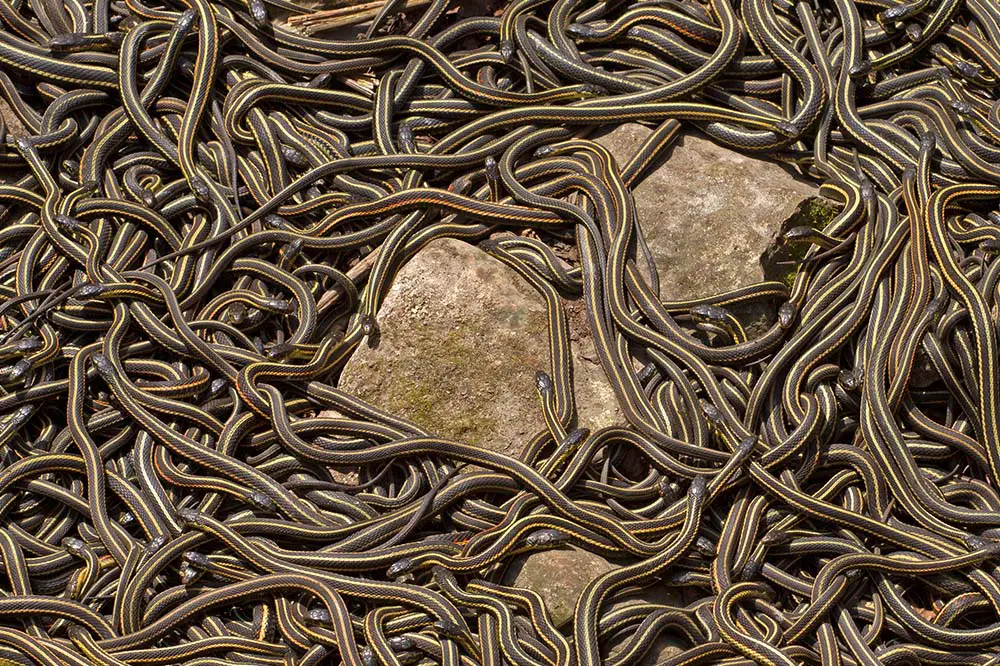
(329, 19)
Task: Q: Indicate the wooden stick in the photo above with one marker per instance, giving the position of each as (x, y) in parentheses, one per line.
(337, 18)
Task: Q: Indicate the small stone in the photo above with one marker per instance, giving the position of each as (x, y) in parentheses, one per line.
(462, 338)
(559, 577)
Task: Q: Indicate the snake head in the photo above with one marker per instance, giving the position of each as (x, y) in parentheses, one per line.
(961, 107)
(186, 21)
(189, 574)
(258, 12)
(969, 70)
(896, 13)
(155, 544)
(775, 538)
(977, 544)
(277, 222)
(588, 90)
(990, 246)
(400, 568)
(683, 578)
(788, 129)
(449, 629)
(543, 151)
(799, 234)
(574, 438)
(705, 546)
(367, 656)
(406, 139)
(850, 380)
(867, 189)
(546, 537)
(67, 42)
(667, 489)
(279, 305)
(196, 559)
(19, 369)
(319, 615)
(294, 156)
(787, 313)
(68, 222)
(709, 313)
(261, 502)
(441, 573)
(492, 168)
(646, 372)
(90, 290)
(543, 383)
(401, 643)
(28, 344)
(507, 51)
(190, 517)
(861, 69)
(711, 412)
(751, 569)
(369, 326)
(581, 31)
(216, 387)
(937, 306)
(200, 188)
(103, 366)
(914, 32)
(292, 249)
(698, 488)
(280, 350)
(21, 416)
(73, 546)
(745, 448)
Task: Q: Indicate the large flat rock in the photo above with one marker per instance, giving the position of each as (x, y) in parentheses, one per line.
(462, 337)
(708, 213)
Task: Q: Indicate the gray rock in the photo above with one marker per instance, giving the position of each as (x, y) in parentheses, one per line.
(560, 576)
(462, 337)
(708, 213)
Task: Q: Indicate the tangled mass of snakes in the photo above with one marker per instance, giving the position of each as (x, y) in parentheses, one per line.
(204, 207)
